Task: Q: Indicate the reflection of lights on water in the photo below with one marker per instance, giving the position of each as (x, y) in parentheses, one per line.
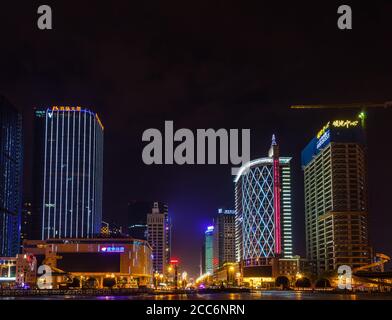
(234, 296)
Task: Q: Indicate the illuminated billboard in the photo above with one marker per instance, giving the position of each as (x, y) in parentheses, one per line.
(333, 131)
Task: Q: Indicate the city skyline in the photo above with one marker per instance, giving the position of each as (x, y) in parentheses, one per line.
(202, 70)
(296, 250)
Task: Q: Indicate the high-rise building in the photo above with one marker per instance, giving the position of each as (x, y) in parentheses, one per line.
(203, 258)
(11, 166)
(105, 229)
(263, 209)
(159, 236)
(112, 230)
(26, 221)
(68, 173)
(209, 250)
(137, 217)
(224, 238)
(334, 166)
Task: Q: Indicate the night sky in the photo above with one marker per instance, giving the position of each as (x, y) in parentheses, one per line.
(203, 64)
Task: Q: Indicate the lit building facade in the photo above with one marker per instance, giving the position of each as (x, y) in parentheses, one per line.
(127, 261)
(203, 259)
(263, 209)
(11, 166)
(224, 238)
(334, 167)
(159, 236)
(137, 218)
(68, 173)
(7, 271)
(209, 250)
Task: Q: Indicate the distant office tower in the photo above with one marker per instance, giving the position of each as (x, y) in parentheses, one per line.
(158, 236)
(112, 230)
(68, 173)
(26, 222)
(11, 165)
(203, 258)
(263, 209)
(105, 229)
(224, 238)
(209, 250)
(335, 196)
(137, 217)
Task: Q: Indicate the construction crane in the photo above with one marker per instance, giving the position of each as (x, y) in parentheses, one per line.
(359, 105)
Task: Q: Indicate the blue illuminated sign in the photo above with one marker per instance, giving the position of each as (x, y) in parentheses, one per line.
(324, 139)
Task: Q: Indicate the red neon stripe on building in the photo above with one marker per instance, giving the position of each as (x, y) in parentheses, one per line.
(278, 247)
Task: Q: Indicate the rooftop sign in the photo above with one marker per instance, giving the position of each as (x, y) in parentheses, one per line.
(338, 124)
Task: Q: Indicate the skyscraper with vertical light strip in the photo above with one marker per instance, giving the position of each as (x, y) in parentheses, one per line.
(263, 209)
(68, 173)
(11, 165)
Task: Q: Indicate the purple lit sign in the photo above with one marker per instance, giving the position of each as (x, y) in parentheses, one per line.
(112, 249)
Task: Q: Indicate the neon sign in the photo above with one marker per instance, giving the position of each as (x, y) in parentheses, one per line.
(112, 249)
(278, 246)
(337, 124)
(66, 108)
(322, 131)
(345, 123)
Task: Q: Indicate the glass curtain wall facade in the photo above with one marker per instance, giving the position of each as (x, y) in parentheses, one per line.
(263, 209)
(69, 164)
(11, 167)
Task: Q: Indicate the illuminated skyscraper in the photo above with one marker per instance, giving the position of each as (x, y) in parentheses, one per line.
(68, 173)
(209, 250)
(263, 209)
(224, 237)
(335, 196)
(158, 236)
(137, 219)
(11, 165)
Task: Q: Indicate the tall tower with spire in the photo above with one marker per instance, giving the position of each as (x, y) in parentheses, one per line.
(274, 149)
(263, 209)
(274, 154)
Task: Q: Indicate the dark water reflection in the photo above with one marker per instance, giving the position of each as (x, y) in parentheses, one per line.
(264, 295)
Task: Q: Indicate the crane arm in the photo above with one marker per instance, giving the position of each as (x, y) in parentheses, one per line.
(387, 104)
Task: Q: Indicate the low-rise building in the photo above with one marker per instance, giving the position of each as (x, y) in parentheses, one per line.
(7, 271)
(228, 275)
(98, 262)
